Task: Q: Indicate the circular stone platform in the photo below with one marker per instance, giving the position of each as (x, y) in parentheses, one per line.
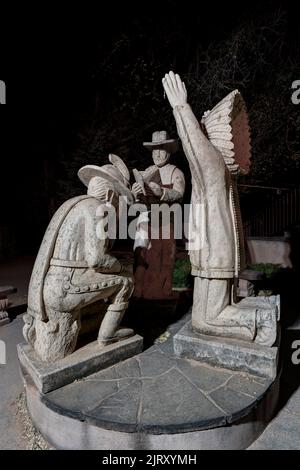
(155, 401)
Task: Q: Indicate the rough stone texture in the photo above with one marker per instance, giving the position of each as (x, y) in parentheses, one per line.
(81, 363)
(228, 353)
(156, 400)
(65, 432)
(156, 393)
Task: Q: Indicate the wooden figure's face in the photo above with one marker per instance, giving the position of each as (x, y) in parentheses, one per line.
(160, 157)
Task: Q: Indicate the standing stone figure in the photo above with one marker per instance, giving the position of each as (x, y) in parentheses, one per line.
(154, 262)
(215, 218)
(74, 268)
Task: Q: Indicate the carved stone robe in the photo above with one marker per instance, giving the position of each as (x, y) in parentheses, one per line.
(215, 239)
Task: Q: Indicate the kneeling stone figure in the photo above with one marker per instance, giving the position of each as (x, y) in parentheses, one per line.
(217, 150)
(74, 268)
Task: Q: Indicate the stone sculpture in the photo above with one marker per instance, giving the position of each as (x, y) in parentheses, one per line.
(215, 224)
(158, 184)
(74, 268)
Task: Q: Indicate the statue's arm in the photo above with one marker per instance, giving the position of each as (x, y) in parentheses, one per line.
(97, 246)
(203, 158)
(177, 192)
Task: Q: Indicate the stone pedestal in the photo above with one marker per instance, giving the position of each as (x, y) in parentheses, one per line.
(85, 361)
(232, 354)
(155, 401)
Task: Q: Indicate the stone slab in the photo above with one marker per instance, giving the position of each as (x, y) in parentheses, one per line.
(157, 393)
(67, 433)
(228, 353)
(83, 362)
(155, 401)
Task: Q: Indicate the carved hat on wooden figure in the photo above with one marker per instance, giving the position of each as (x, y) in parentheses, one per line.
(117, 173)
(160, 140)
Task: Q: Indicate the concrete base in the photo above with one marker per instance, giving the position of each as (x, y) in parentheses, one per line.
(155, 401)
(64, 432)
(229, 353)
(83, 362)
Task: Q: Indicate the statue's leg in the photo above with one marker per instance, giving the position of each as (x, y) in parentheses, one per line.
(90, 286)
(65, 292)
(57, 337)
(211, 296)
(109, 331)
(212, 313)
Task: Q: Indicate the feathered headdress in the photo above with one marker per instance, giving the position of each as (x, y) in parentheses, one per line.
(228, 130)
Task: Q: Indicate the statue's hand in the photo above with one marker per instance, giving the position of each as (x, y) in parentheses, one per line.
(156, 189)
(137, 190)
(105, 191)
(175, 89)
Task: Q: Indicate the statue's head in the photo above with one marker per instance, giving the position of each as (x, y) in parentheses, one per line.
(97, 187)
(161, 147)
(160, 157)
(97, 178)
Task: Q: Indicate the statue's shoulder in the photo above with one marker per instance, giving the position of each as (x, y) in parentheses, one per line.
(173, 171)
(64, 210)
(85, 199)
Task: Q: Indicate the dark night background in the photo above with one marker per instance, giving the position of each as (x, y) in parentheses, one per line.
(84, 83)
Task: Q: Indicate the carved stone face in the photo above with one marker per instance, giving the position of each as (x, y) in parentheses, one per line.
(160, 157)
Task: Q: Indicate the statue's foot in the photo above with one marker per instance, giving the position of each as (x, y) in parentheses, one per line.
(266, 327)
(123, 333)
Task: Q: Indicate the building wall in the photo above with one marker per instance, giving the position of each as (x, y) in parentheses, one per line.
(269, 250)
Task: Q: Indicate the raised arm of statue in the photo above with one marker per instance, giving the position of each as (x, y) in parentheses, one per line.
(204, 159)
(175, 90)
